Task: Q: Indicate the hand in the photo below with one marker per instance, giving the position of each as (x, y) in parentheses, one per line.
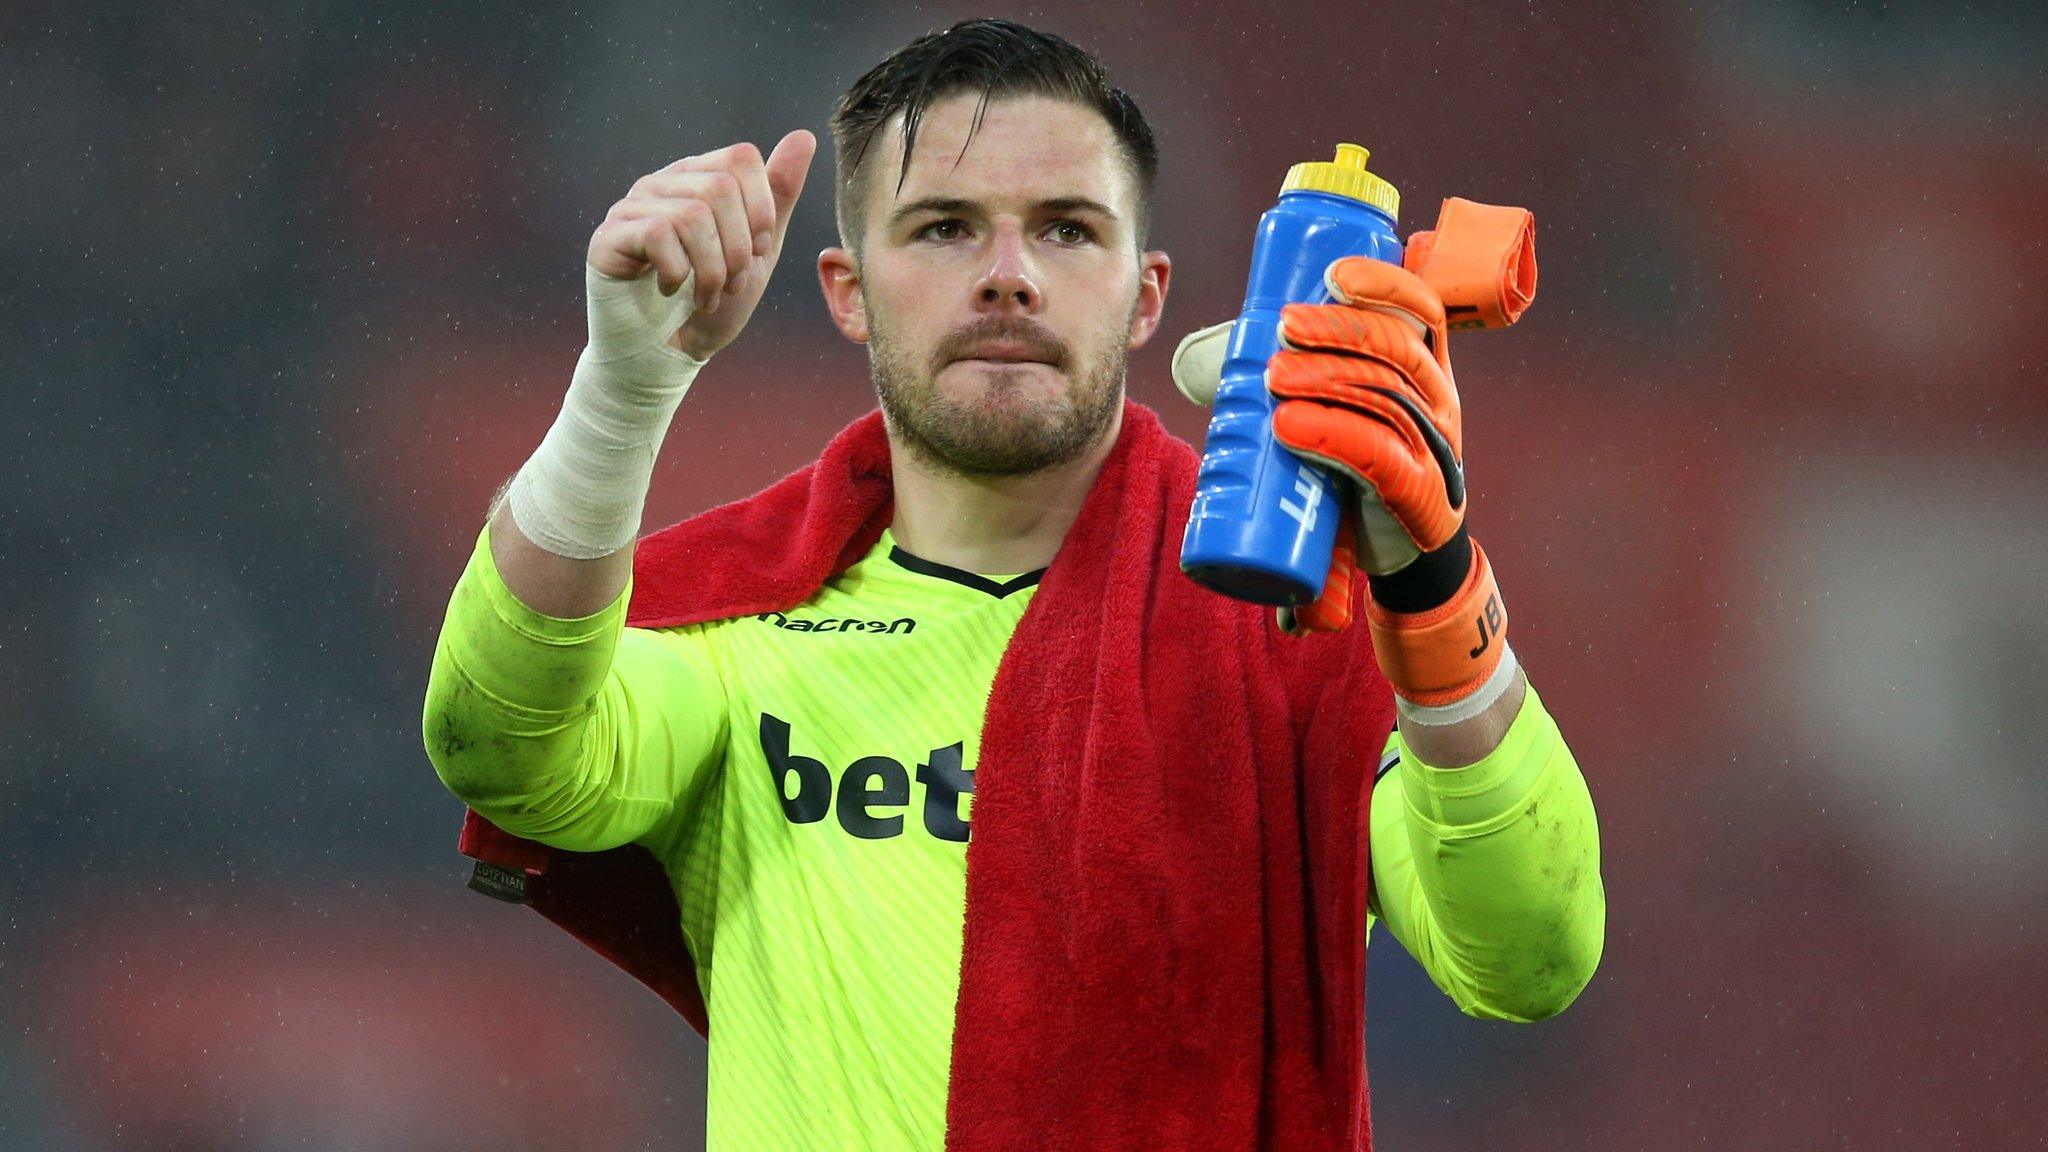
(1364, 386)
(713, 224)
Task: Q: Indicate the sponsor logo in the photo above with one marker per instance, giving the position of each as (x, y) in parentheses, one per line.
(871, 793)
(905, 624)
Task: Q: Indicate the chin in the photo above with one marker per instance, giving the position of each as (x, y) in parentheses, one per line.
(998, 432)
(983, 418)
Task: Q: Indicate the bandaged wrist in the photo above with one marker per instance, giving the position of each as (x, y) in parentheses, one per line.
(1448, 653)
(582, 492)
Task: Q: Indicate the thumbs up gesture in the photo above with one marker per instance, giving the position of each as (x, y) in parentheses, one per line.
(710, 228)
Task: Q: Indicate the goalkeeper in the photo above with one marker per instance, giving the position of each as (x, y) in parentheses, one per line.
(1190, 818)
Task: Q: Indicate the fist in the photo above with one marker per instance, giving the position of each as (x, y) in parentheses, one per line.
(711, 224)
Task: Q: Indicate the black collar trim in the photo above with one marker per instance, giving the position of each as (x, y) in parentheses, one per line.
(975, 580)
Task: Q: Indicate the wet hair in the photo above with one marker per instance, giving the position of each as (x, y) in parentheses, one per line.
(996, 58)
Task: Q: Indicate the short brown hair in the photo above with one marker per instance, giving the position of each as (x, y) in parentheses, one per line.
(999, 58)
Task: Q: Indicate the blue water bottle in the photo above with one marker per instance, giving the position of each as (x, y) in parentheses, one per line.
(1264, 519)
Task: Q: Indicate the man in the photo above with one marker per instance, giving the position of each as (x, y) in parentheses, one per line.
(1158, 929)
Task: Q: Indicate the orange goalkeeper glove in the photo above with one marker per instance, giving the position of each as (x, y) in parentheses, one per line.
(1364, 386)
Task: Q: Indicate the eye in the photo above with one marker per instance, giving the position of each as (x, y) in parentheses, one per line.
(931, 230)
(1072, 232)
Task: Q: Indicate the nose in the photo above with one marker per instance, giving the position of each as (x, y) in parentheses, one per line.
(1009, 283)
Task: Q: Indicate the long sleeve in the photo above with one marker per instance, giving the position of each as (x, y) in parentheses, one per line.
(1490, 874)
(582, 734)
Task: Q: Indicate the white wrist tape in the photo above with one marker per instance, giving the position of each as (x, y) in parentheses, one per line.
(582, 492)
(1458, 711)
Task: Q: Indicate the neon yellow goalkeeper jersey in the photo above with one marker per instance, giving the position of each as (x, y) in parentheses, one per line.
(807, 779)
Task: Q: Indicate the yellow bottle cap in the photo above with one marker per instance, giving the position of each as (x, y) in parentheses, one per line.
(1344, 176)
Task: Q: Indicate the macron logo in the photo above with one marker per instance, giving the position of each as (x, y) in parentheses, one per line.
(836, 624)
(1311, 495)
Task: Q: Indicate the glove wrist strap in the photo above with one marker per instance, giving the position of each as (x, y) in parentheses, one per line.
(1445, 654)
(1431, 579)
(1459, 711)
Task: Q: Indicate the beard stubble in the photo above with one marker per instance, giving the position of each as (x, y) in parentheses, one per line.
(987, 435)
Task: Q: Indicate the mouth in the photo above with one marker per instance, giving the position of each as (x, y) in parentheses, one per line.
(1005, 352)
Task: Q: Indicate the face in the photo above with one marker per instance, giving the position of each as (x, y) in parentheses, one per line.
(999, 296)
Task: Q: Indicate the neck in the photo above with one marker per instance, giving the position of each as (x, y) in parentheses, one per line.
(990, 524)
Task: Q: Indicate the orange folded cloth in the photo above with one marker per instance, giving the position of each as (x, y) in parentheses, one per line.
(1481, 258)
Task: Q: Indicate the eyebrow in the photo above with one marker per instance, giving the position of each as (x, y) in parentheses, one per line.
(948, 205)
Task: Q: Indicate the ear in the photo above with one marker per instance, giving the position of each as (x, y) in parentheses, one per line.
(1154, 270)
(839, 280)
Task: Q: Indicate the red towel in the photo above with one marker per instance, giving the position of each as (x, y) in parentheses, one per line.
(1165, 934)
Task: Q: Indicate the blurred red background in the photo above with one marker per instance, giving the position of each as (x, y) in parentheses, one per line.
(1760, 474)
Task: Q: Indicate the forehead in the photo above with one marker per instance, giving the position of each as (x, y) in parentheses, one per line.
(1026, 149)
